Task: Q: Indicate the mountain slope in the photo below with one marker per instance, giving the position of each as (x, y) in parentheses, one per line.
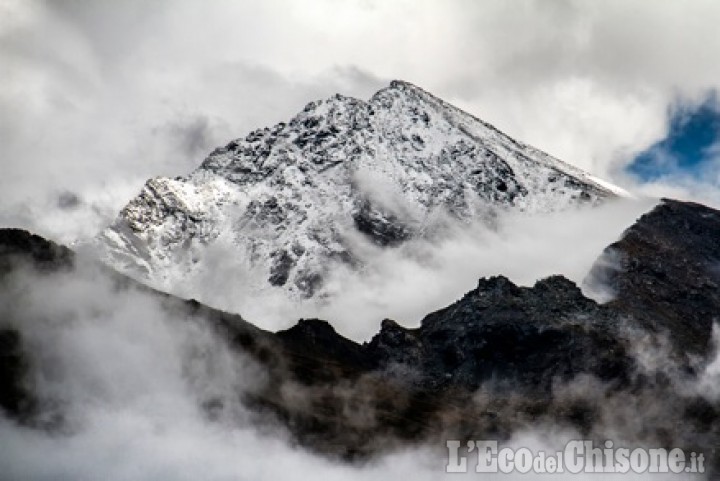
(293, 199)
(496, 362)
(665, 270)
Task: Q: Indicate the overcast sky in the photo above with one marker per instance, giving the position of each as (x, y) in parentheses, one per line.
(99, 96)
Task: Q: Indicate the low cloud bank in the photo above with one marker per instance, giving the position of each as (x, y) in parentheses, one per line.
(128, 380)
(408, 282)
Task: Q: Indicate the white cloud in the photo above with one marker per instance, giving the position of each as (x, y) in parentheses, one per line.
(95, 95)
(130, 379)
(421, 276)
(98, 96)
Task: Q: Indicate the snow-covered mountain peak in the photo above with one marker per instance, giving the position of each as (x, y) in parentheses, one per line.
(292, 200)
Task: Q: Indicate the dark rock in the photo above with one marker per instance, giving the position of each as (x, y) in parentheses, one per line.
(319, 354)
(501, 358)
(280, 269)
(665, 272)
(396, 344)
(520, 337)
(16, 399)
(383, 228)
(17, 245)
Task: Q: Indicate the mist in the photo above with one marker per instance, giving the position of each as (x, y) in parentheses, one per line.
(122, 383)
(127, 91)
(98, 97)
(423, 275)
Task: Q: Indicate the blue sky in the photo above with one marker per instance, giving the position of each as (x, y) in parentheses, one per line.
(690, 146)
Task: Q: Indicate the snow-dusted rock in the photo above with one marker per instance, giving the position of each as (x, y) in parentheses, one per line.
(294, 199)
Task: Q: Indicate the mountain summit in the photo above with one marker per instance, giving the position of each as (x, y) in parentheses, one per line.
(294, 199)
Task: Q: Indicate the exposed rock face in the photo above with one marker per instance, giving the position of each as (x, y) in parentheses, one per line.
(505, 357)
(512, 336)
(19, 246)
(287, 198)
(501, 358)
(665, 272)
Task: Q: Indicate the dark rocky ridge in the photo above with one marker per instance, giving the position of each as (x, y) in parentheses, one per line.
(665, 271)
(516, 337)
(501, 358)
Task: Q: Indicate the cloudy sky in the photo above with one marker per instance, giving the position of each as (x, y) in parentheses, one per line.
(99, 96)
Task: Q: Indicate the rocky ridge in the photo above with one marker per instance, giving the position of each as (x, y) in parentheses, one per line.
(499, 359)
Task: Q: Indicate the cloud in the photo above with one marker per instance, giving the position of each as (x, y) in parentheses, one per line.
(109, 103)
(129, 379)
(126, 91)
(408, 282)
(98, 96)
(685, 164)
(707, 383)
(690, 145)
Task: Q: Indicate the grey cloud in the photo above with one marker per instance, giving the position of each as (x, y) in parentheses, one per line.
(130, 379)
(408, 282)
(100, 93)
(193, 137)
(68, 200)
(100, 96)
(94, 119)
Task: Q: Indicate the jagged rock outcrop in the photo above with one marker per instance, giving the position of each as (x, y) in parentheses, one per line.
(665, 272)
(513, 337)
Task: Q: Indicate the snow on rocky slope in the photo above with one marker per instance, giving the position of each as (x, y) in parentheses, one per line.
(295, 199)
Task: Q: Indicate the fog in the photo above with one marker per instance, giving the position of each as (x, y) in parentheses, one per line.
(99, 97)
(127, 380)
(423, 275)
